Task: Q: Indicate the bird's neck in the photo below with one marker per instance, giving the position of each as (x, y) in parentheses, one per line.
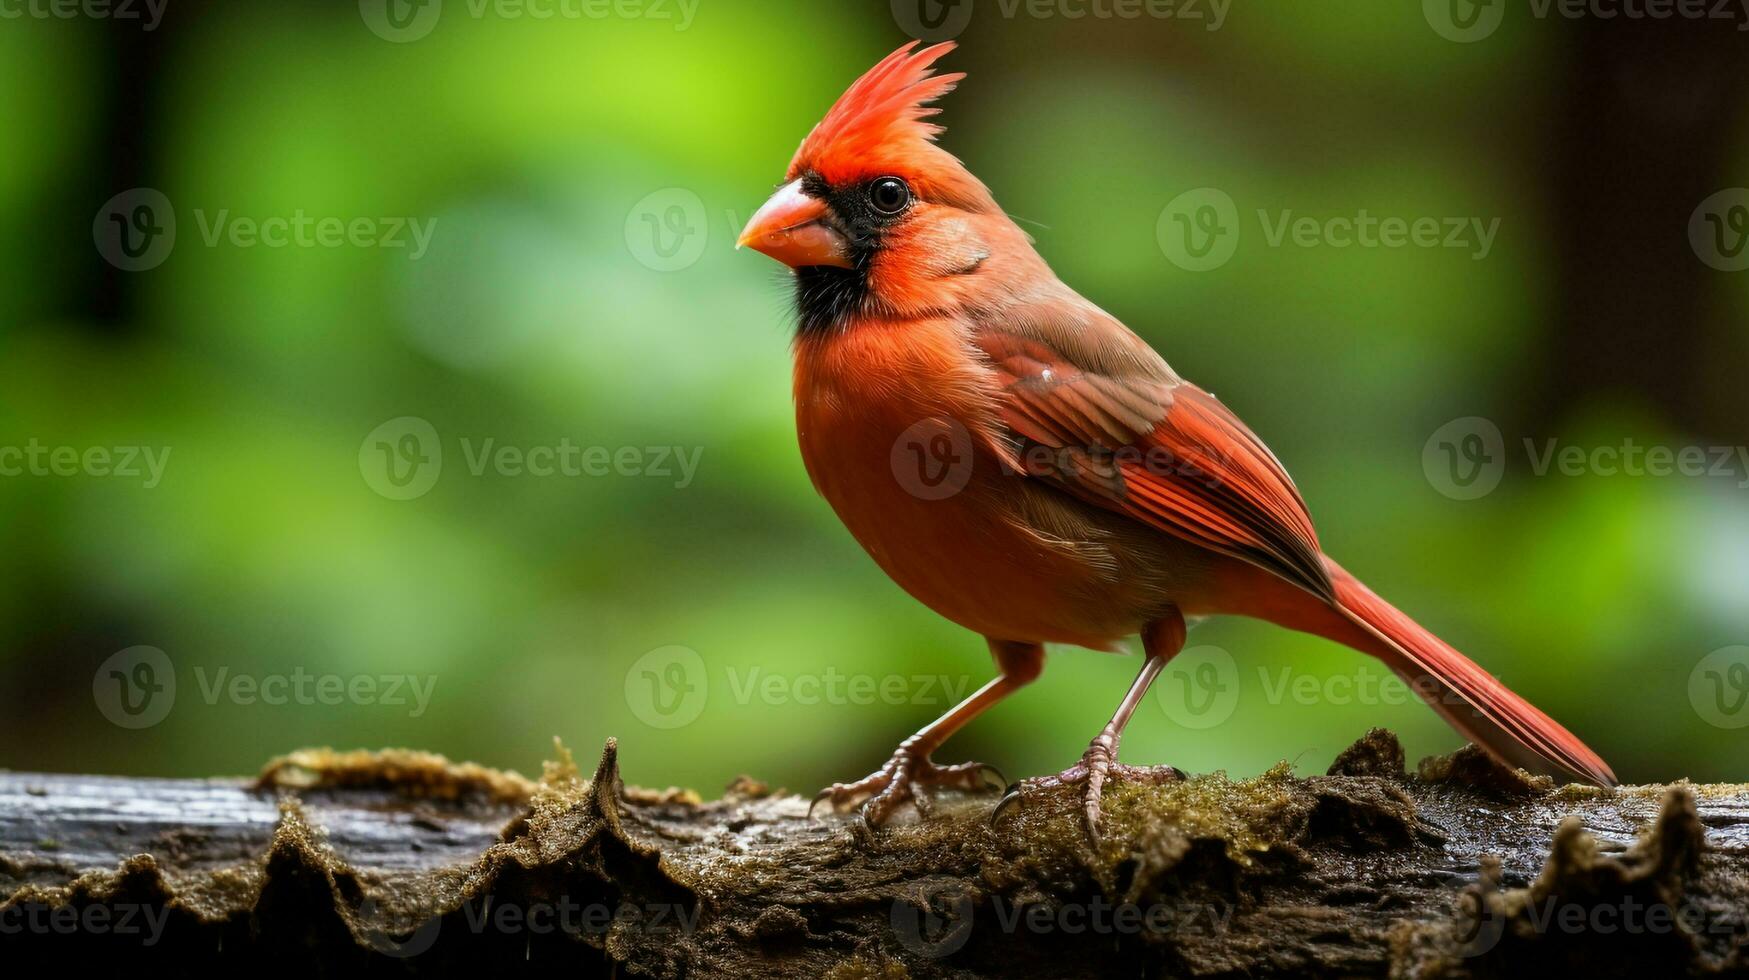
(827, 298)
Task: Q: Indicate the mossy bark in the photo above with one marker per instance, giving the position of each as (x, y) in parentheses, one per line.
(401, 860)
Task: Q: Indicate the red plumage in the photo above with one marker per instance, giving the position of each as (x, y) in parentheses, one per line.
(1102, 494)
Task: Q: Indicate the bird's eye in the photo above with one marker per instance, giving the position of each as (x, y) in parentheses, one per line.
(889, 195)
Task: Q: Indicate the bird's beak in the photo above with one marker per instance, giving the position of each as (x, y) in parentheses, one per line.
(792, 229)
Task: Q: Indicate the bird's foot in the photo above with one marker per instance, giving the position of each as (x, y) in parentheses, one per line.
(908, 777)
(1097, 765)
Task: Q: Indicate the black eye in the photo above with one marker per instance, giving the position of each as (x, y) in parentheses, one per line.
(889, 195)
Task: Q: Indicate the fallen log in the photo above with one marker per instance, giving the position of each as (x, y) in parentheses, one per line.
(331, 862)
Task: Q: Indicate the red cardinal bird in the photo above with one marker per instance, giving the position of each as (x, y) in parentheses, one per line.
(1085, 491)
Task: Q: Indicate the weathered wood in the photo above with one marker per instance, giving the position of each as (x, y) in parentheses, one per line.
(401, 860)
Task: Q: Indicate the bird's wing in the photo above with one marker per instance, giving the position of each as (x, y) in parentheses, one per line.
(1089, 407)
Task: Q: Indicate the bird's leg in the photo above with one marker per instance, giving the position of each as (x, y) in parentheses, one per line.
(909, 774)
(1161, 640)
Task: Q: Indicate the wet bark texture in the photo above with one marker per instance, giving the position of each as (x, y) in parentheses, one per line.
(404, 863)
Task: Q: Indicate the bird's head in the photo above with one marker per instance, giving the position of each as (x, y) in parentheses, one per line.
(873, 212)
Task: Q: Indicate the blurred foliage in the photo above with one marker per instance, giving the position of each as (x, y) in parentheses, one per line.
(530, 320)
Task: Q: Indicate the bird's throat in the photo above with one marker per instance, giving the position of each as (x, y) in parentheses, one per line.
(827, 297)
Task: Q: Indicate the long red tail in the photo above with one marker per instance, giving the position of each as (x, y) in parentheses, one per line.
(1480, 707)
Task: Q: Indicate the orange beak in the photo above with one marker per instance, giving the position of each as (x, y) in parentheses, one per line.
(792, 228)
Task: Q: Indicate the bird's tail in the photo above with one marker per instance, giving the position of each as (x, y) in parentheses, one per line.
(1476, 704)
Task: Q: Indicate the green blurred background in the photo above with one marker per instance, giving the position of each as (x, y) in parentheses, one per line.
(586, 176)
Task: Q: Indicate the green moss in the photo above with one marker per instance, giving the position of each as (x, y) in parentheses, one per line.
(858, 968)
(1247, 816)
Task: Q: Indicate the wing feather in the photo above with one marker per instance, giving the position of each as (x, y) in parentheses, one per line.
(1117, 427)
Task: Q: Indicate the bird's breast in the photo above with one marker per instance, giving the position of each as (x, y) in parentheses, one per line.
(898, 429)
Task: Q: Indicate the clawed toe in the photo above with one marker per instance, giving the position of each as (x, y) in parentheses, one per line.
(906, 778)
(838, 793)
(970, 776)
(1092, 781)
(1092, 773)
(846, 796)
(1010, 799)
